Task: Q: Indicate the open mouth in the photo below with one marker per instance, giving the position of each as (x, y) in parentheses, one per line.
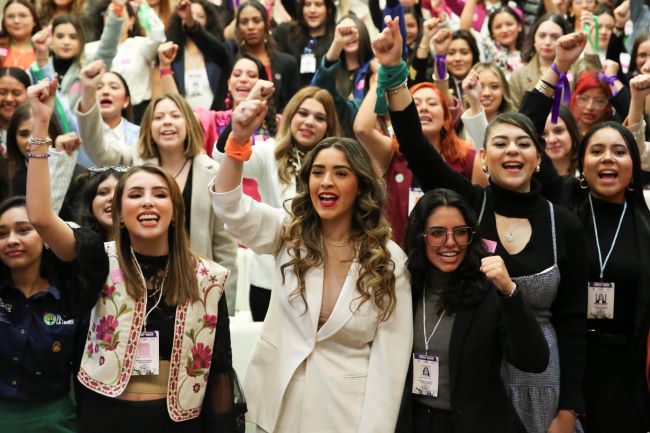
(512, 167)
(607, 174)
(148, 219)
(105, 103)
(327, 199)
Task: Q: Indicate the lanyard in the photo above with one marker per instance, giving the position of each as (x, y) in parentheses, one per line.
(144, 282)
(424, 322)
(618, 229)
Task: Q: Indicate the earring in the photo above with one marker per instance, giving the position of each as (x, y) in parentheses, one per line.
(582, 181)
(46, 246)
(484, 168)
(538, 168)
(228, 100)
(630, 188)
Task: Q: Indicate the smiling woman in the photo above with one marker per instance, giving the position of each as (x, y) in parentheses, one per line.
(513, 216)
(339, 290)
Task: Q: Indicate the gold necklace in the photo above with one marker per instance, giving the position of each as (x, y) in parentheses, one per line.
(182, 167)
(347, 243)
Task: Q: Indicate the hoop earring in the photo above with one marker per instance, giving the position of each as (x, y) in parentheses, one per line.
(630, 188)
(484, 168)
(582, 181)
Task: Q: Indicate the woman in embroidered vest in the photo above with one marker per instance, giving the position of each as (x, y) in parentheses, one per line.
(334, 348)
(157, 354)
(36, 343)
(541, 244)
(469, 315)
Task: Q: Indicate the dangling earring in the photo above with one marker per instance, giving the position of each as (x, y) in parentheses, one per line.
(538, 168)
(484, 168)
(228, 100)
(582, 181)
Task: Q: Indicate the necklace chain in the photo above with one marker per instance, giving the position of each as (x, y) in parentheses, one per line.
(182, 167)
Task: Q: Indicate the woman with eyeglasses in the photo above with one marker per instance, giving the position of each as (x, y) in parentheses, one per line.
(157, 355)
(541, 244)
(596, 100)
(468, 317)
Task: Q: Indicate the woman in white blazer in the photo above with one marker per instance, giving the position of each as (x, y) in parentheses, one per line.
(334, 349)
(172, 138)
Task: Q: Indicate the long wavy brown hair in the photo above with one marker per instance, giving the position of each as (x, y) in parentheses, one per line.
(180, 284)
(284, 139)
(370, 231)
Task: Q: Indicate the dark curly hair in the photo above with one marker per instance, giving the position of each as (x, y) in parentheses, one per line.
(468, 282)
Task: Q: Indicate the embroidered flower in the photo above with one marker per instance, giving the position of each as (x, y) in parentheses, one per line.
(210, 320)
(89, 349)
(106, 333)
(196, 387)
(200, 360)
(108, 291)
(203, 270)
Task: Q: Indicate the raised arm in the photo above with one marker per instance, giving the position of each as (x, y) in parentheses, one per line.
(378, 145)
(166, 56)
(474, 118)
(100, 151)
(54, 231)
(640, 90)
(110, 38)
(423, 160)
(441, 40)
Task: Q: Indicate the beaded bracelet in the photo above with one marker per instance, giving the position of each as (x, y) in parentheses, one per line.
(34, 141)
(37, 155)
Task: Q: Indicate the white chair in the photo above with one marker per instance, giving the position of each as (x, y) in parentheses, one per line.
(243, 336)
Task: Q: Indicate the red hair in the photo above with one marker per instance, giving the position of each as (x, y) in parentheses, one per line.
(587, 81)
(452, 147)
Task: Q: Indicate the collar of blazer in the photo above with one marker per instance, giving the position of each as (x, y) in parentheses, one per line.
(345, 305)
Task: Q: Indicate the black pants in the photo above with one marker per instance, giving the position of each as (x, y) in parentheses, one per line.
(259, 299)
(609, 390)
(428, 420)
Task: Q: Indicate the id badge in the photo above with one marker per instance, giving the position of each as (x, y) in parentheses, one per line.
(425, 375)
(307, 63)
(415, 194)
(194, 78)
(147, 362)
(600, 300)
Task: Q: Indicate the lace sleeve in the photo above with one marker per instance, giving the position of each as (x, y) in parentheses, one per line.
(224, 405)
(81, 280)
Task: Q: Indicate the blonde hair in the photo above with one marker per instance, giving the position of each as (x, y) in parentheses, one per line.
(284, 139)
(148, 148)
(371, 231)
(180, 284)
(506, 103)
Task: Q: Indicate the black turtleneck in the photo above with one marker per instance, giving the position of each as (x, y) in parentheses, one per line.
(61, 66)
(623, 267)
(569, 307)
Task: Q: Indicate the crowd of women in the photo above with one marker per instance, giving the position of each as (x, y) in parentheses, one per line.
(445, 203)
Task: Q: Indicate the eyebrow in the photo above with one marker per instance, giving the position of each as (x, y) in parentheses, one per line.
(336, 166)
(507, 138)
(141, 188)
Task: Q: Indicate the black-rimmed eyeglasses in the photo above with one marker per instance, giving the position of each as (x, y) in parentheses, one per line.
(437, 236)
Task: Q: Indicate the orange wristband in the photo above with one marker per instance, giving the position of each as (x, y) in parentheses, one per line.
(119, 10)
(238, 151)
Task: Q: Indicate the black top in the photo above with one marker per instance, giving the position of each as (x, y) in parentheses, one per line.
(623, 267)
(83, 287)
(187, 198)
(569, 307)
(287, 43)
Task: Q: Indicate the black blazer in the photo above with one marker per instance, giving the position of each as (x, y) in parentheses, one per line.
(286, 78)
(482, 336)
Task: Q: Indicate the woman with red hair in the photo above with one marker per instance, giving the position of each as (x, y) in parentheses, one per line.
(438, 124)
(598, 97)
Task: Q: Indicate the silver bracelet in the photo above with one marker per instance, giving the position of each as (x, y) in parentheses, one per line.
(394, 90)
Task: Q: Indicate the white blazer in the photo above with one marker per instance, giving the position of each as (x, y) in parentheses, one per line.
(347, 376)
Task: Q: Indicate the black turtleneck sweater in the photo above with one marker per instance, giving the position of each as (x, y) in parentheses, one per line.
(61, 66)
(569, 307)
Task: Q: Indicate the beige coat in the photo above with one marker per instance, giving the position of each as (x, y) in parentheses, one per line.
(347, 376)
(208, 237)
(525, 78)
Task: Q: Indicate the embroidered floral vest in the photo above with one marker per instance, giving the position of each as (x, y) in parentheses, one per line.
(115, 325)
